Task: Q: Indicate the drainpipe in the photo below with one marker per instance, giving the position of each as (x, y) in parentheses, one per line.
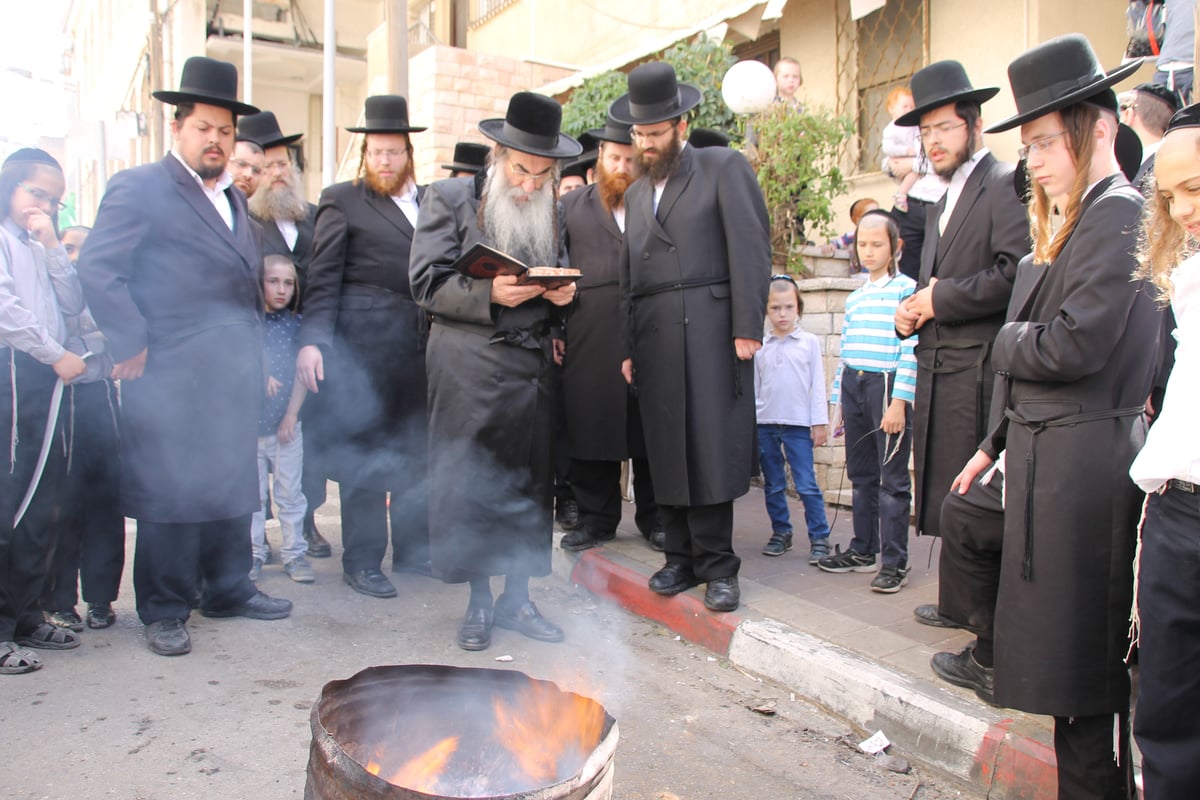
(247, 46)
(328, 100)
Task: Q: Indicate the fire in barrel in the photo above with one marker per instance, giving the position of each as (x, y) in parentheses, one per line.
(421, 731)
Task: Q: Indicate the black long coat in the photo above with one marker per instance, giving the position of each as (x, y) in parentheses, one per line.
(161, 271)
(492, 389)
(974, 262)
(694, 277)
(301, 254)
(369, 416)
(594, 391)
(1074, 368)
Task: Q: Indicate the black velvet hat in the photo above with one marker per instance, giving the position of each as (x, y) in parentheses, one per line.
(32, 155)
(940, 84)
(655, 95)
(385, 113)
(532, 125)
(263, 130)
(210, 82)
(468, 157)
(707, 137)
(1060, 73)
(613, 131)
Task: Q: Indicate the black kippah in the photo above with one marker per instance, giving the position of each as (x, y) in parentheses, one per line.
(1171, 98)
(32, 155)
(1187, 118)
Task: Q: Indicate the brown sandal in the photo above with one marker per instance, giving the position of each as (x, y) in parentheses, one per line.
(16, 660)
(49, 637)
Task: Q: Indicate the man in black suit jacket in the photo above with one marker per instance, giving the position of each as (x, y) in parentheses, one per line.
(363, 354)
(694, 277)
(974, 237)
(171, 272)
(288, 223)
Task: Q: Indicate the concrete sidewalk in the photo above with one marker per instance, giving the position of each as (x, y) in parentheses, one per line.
(829, 638)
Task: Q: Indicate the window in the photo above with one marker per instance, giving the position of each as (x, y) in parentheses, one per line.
(483, 10)
(888, 46)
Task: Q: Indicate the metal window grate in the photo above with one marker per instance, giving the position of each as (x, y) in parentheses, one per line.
(483, 10)
(876, 53)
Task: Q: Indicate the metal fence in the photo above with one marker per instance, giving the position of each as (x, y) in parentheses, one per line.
(483, 10)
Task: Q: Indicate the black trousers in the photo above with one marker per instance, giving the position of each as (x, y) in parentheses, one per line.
(597, 488)
(171, 557)
(25, 548)
(312, 476)
(912, 231)
(972, 527)
(1092, 763)
(89, 540)
(701, 539)
(1167, 724)
(366, 514)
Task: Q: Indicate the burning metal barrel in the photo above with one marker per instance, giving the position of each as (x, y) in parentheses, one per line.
(419, 731)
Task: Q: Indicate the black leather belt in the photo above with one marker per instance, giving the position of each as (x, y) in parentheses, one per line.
(1183, 486)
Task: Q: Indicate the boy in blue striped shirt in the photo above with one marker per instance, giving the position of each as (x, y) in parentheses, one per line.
(874, 388)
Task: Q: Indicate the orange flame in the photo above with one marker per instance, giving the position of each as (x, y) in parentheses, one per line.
(539, 728)
(420, 773)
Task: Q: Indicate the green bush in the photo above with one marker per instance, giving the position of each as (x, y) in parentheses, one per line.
(796, 160)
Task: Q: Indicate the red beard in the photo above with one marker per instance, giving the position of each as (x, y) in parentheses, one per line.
(388, 186)
(612, 187)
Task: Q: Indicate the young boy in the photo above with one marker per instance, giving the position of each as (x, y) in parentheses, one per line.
(280, 443)
(787, 81)
(789, 389)
(901, 142)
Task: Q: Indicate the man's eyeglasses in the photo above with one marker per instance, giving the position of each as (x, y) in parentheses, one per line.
(645, 135)
(273, 166)
(930, 132)
(391, 153)
(1041, 145)
(239, 163)
(523, 174)
(43, 197)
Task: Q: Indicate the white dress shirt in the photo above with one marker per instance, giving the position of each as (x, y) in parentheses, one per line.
(289, 231)
(957, 181)
(407, 201)
(216, 195)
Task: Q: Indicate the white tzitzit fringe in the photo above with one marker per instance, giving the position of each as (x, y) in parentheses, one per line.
(1134, 619)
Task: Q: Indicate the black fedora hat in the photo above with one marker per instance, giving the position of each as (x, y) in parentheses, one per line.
(1056, 74)
(1127, 148)
(263, 130)
(385, 113)
(939, 84)
(707, 137)
(210, 82)
(468, 157)
(613, 131)
(532, 125)
(655, 95)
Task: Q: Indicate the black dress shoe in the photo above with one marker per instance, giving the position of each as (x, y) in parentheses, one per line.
(657, 539)
(672, 579)
(723, 594)
(584, 538)
(475, 633)
(370, 582)
(961, 669)
(100, 615)
(168, 637)
(928, 615)
(567, 514)
(259, 606)
(318, 546)
(527, 620)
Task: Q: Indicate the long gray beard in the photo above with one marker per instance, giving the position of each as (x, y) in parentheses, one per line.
(523, 230)
(284, 203)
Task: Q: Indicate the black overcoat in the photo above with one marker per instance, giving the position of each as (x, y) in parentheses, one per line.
(492, 389)
(369, 416)
(1074, 369)
(974, 262)
(595, 393)
(693, 277)
(163, 272)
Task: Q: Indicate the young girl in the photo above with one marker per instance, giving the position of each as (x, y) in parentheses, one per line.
(38, 285)
(789, 389)
(876, 384)
(901, 142)
(1167, 725)
(280, 443)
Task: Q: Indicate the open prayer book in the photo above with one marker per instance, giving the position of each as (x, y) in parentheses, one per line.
(482, 261)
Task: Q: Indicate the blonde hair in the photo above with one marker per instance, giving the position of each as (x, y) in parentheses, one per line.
(1162, 242)
(1078, 121)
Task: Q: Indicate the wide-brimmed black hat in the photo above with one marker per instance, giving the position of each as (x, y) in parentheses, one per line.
(1127, 148)
(707, 137)
(613, 131)
(655, 95)
(940, 84)
(385, 113)
(263, 130)
(1060, 73)
(468, 157)
(532, 125)
(210, 82)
